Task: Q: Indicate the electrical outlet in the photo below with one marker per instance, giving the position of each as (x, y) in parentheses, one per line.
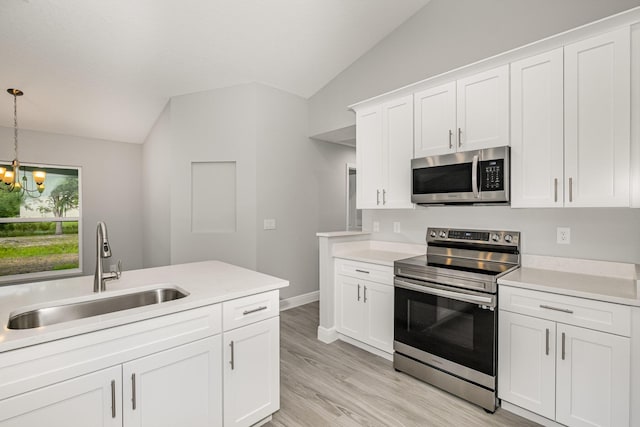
(376, 226)
(270, 224)
(396, 227)
(563, 235)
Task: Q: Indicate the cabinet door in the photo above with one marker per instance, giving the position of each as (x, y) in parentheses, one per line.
(483, 110)
(369, 158)
(378, 303)
(526, 362)
(180, 386)
(597, 120)
(593, 377)
(251, 372)
(537, 131)
(350, 310)
(397, 143)
(92, 400)
(435, 121)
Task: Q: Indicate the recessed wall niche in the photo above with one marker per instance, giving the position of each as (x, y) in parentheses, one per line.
(213, 197)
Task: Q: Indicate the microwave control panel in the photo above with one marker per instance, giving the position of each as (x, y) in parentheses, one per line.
(492, 175)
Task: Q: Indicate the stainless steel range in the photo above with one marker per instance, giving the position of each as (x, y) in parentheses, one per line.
(445, 327)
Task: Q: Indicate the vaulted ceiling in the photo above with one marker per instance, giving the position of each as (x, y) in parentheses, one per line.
(105, 69)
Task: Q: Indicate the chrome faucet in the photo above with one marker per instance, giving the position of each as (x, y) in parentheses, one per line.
(103, 250)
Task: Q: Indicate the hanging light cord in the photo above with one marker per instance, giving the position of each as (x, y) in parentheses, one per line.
(15, 124)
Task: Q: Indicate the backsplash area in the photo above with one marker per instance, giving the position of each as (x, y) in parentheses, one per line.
(609, 234)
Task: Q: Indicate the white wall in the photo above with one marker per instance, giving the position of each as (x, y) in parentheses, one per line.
(111, 187)
(444, 35)
(156, 207)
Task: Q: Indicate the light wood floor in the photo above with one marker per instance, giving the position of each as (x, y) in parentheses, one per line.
(338, 384)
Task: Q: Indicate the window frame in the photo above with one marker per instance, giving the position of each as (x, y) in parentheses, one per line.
(53, 274)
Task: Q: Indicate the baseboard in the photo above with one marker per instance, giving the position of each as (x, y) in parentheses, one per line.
(528, 414)
(298, 300)
(327, 336)
(367, 347)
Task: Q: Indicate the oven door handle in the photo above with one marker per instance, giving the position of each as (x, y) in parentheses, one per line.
(474, 299)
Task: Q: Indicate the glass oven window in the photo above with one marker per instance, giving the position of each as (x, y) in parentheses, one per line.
(458, 331)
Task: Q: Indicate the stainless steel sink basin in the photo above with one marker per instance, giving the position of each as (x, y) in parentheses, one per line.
(65, 312)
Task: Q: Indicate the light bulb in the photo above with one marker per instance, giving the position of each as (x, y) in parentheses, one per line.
(39, 177)
(8, 177)
(2, 172)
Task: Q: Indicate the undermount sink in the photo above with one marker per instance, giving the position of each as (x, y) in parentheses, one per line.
(65, 312)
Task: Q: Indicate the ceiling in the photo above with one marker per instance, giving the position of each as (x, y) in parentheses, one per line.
(105, 69)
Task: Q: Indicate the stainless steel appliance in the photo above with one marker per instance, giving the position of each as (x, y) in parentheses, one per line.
(445, 321)
(480, 176)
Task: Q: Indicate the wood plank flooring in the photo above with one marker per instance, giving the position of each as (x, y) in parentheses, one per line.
(338, 384)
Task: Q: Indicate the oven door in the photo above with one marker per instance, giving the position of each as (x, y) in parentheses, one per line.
(448, 328)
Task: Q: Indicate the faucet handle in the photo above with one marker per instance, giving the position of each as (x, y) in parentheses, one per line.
(118, 271)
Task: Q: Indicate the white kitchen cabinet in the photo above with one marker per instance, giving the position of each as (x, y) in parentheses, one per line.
(435, 121)
(537, 131)
(384, 148)
(593, 370)
(251, 372)
(483, 109)
(91, 400)
(180, 386)
(597, 120)
(365, 308)
(469, 114)
(551, 363)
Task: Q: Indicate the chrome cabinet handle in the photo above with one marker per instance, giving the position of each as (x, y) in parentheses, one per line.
(358, 292)
(547, 351)
(450, 136)
(555, 190)
(570, 189)
(133, 391)
(362, 271)
(365, 293)
(232, 361)
(384, 197)
(474, 177)
(564, 310)
(255, 310)
(113, 398)
(459, 137)
(563, 346)
(377, 197)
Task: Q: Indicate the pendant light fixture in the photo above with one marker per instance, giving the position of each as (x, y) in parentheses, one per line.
(11, 180)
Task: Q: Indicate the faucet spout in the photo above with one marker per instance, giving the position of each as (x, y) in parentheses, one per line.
(103, 250)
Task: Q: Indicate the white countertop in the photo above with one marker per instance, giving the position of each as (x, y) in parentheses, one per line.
(207, 282)
(377, 252)
(598, 280)
(341, 233)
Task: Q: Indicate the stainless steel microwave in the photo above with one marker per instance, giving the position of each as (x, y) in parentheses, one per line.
(480, 176)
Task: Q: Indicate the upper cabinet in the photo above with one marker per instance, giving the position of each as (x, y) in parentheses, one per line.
(570, 125)
(384, 148)
(469, 114)
(597, 120)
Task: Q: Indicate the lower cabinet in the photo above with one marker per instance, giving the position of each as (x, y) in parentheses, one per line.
(251, 372)
(91, 400)
(180, 386)
(571, 374)
(365, 311)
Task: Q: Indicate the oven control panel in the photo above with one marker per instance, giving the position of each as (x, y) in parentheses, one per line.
(493, 237)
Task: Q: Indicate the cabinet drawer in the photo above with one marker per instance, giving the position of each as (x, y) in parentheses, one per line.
(247, 310)
(601, 316)
(364, 270)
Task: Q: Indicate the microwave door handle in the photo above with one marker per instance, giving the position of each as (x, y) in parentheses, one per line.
(474, 177)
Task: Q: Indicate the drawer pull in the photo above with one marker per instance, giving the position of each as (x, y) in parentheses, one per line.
(547, 350)
(362, 271)
(255, 310)
(564, 310)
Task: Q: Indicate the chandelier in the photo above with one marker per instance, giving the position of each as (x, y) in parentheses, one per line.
(11, 178)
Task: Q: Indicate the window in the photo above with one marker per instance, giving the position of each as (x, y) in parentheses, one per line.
(41, 237)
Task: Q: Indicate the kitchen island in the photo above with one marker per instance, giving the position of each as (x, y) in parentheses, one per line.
(210, 358)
